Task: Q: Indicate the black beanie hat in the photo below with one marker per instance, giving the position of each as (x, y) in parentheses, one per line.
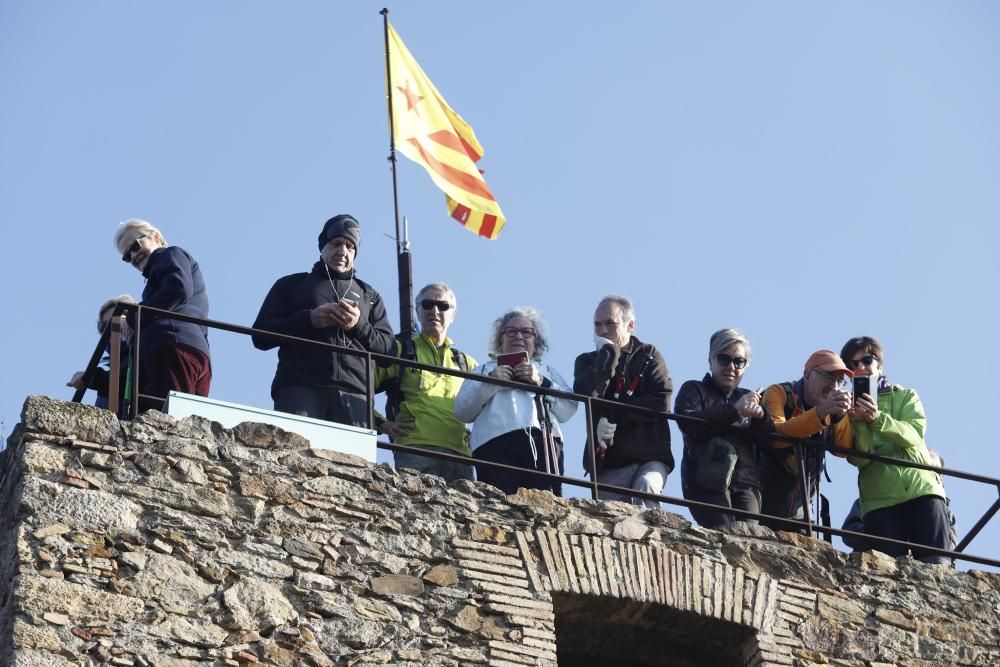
(341, 225)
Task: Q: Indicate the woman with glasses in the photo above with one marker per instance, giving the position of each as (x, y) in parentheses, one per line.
(719, 465)
(897, 502)
(516, 426)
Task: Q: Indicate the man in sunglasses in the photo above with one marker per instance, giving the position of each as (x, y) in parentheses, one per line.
(330, 304)
(421, 404)
(633, 449)
(174, 355)
(815, 407)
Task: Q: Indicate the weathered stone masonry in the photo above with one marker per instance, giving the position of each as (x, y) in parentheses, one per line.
(168, 543)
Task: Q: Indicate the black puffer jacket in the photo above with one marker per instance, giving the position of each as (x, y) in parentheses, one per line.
(638, 438)
(705, 400)
(286, 310)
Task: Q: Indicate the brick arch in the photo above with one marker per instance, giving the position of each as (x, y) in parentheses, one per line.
(519, 576)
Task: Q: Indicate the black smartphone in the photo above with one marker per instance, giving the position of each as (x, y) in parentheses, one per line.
(862, 385)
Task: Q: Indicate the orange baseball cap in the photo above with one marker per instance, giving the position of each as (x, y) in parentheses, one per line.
(829, 361)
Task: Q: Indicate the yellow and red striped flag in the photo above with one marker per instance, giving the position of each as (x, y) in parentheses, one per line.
(430, 133)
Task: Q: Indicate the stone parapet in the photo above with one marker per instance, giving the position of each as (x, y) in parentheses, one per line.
(179, 543)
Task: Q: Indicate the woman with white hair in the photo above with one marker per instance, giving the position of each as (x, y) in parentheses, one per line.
(516, 427)
(719, 465)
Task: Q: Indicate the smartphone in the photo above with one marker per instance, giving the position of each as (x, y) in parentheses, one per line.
(862, 385)
(512, 359)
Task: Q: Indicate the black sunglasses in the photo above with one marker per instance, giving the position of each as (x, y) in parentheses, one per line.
(132, 249)
(725, 360)
(867, 360)
(427, 304)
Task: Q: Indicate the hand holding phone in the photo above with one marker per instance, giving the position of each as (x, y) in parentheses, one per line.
(862, 385)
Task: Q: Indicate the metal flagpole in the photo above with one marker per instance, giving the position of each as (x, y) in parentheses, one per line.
(404, 260)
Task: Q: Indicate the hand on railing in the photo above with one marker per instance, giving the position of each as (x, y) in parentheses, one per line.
(396, 429)
(77, 381)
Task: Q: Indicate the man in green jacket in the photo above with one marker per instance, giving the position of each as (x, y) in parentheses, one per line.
(425, 417)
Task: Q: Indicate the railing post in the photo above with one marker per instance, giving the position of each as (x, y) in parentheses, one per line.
(114, 390)
(589, 409)
(136, 340)
(983, 520)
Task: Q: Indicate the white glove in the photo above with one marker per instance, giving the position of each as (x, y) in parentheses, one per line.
(600, 341)
(605, 432)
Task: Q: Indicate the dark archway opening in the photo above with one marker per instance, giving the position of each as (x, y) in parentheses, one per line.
(595, 631)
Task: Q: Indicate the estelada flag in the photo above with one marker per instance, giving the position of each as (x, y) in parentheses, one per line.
(430, 133)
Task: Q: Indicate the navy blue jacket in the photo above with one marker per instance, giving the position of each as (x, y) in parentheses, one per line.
(174, 283)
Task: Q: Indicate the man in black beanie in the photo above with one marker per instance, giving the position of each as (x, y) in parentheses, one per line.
(332, 305)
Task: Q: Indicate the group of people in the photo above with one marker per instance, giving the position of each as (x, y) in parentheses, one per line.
(505, 432)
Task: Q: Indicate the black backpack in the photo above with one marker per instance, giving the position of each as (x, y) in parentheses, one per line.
(780, 487)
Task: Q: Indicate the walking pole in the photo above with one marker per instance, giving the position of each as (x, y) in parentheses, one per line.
(551, 455)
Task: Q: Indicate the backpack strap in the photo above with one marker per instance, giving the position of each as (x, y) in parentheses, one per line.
(408, 350)
(460, 359)
(394, 392)
(789, 399)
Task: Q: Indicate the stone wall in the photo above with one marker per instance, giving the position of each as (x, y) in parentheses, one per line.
(168, 543)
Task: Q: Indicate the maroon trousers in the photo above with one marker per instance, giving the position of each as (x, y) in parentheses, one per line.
(177, 368)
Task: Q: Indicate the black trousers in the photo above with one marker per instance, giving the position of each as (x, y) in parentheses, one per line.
(327, 403)
(738, 496)
(517, 448)
(923, 520)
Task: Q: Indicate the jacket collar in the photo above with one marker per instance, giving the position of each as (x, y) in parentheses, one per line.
(428, 341)
(320, 268)
(149, 262)
(711, 384)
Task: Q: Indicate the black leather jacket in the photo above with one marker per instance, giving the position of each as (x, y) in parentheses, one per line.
(704, 399)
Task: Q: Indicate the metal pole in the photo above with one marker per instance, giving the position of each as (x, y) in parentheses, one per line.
(403, 257)
(804, 485)
(370, 390)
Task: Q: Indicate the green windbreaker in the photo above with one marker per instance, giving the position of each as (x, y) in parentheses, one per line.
(898, 431)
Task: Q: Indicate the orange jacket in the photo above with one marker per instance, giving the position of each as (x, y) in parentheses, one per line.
(801, 423)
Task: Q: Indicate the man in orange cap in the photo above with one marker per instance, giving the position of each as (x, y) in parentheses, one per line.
(814, 406)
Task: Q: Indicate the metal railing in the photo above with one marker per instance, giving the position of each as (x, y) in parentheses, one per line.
(111, 338)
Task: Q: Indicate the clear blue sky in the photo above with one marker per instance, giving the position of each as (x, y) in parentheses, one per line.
(807, 172)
